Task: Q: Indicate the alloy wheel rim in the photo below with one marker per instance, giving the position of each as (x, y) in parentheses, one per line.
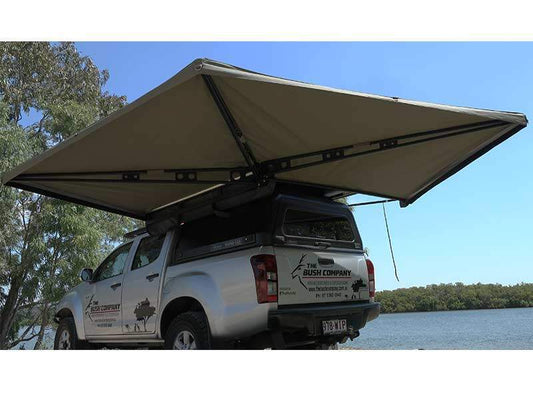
(64, 340)
(185, 341)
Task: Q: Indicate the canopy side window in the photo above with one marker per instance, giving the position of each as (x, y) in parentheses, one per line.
(224, 230)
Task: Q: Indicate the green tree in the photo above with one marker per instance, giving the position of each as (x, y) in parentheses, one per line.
(456, 296)
(44, 242)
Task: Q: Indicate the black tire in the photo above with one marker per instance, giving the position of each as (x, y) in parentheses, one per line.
(67, 325)
(195, 323)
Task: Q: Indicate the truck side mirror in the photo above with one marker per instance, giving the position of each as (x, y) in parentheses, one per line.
(86, 274)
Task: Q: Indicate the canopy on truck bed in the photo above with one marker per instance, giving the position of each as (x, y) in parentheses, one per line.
(215, 124)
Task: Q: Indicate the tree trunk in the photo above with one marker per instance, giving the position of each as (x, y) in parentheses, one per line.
(44, 325)
(7, 315)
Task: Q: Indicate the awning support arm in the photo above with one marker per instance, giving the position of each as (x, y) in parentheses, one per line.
(367, 203)
(285, 164)
(236, 132)
(182, 175)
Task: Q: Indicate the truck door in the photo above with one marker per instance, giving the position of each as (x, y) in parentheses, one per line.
(102, 311)
(140, 295)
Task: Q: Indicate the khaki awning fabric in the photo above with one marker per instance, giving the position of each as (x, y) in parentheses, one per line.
(214, 124)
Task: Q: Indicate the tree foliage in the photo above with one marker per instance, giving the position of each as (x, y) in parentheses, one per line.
(456, 296)
(47, 93)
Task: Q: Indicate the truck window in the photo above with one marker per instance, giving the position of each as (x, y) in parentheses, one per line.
(148, 251)
(113, 265)
(314, 225)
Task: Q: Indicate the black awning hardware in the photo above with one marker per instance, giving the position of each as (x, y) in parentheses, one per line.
(186, 175)
(367, 203)
(350, 151)
(236, 132)
(131, 176)
(389, 143)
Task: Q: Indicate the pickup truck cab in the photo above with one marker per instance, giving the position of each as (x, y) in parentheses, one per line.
(281, 271)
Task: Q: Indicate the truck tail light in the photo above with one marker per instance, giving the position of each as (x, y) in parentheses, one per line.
(371, 278)
(266, 277)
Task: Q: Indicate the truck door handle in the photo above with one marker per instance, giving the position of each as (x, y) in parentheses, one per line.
(152, 277)
(325, 261)
(115, 285)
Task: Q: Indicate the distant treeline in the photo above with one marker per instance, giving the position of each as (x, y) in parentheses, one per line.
(456, 296)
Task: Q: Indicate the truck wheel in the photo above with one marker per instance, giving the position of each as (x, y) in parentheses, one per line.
(188, 331)
(66, 336)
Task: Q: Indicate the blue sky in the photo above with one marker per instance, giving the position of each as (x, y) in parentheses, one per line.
(474, 227)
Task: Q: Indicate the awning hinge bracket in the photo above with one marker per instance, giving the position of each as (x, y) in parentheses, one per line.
(186, 176)
(332, 155)
(388, 143)
(132, 177)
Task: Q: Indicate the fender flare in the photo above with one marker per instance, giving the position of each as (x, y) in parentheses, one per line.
(198, 286)
(72, 303)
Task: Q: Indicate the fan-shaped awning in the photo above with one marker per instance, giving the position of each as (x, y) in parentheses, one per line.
(214, 124)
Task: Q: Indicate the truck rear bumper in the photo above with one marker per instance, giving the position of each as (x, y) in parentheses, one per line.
(308, 319)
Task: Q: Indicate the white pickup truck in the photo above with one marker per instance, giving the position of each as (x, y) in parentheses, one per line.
(277, 270)
(235, 173)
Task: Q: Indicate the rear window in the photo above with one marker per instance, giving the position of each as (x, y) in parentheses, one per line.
(306, 224)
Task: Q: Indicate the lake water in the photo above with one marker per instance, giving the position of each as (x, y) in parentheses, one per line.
(504, 329)
(48, 341)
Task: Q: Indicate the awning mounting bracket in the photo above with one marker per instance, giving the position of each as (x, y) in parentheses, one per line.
(131, 176)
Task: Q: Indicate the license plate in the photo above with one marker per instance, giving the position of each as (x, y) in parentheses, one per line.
(334, 326)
